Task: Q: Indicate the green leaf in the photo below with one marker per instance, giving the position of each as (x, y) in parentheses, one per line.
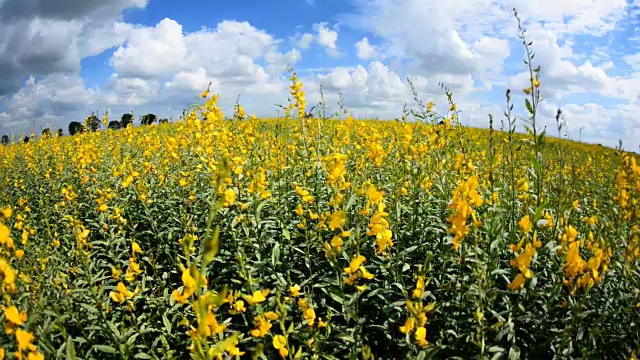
(105, 348)
(166, 322)
(275, 255)
(346, 337)
(514, 353)
(527, 104)
(71, 349)
(211, 247)
(89, 308)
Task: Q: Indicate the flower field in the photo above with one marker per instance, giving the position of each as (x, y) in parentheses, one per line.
(218, 238)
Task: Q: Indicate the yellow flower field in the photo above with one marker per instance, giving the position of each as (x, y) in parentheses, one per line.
(239, 237)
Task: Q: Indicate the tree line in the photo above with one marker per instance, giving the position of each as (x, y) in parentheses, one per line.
(93, 123)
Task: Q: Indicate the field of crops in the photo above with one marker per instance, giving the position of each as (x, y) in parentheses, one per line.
(235, 237)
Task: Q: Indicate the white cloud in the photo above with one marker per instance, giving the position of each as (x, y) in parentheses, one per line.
(152, 52)
(161, 68)
(41, 103)
(128, 91)
(64, 9)
(44, 37)
(492, 51)
(324, 36)
(327, 38)
(228, 53)
(364, 50)
(192, 81)
(464, 44)
(375, 90)
(633, 61)
(304, 41)
(276, 63)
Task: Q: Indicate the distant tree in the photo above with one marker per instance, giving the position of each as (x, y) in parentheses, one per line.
(26, 139)
(5, 140)
(163, 121)
(114, 125)
(126, 119)
(60, 132)
(92, 122)
(46, 132)
(75, 128)
(148, 119)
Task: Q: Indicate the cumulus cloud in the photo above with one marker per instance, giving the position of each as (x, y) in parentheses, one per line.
(468, 45)
(64, 9)
(155, 66)
(42, 103)
(227, 56)
(44, 37)
(324, 36)
(364, 50)
(633, 61)
(374, 89)
(305, 41)
(152, 52)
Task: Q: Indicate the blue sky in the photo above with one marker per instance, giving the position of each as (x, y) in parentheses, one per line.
(155, 55)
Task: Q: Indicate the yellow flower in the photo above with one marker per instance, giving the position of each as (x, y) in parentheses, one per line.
(421, 336)
(122, 293)
(25, 237)
(5, 235)
(14, 316)
(103, 208)
(355, 263)
(135, 248)
(337, 219)
(365, 274)
(522, 185)
(262, 327)
(229, 197)
(295, 290)
(9, 275)
(189, 286)
(517, 283)
(24, 338)
(336, 243)
(299, 211)
(310, 315)
(257, 297)
(417, 292)
(280, 344)
(7, 213)
(35, 356)
(408, 326)
(525, 224)
(575, 204)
